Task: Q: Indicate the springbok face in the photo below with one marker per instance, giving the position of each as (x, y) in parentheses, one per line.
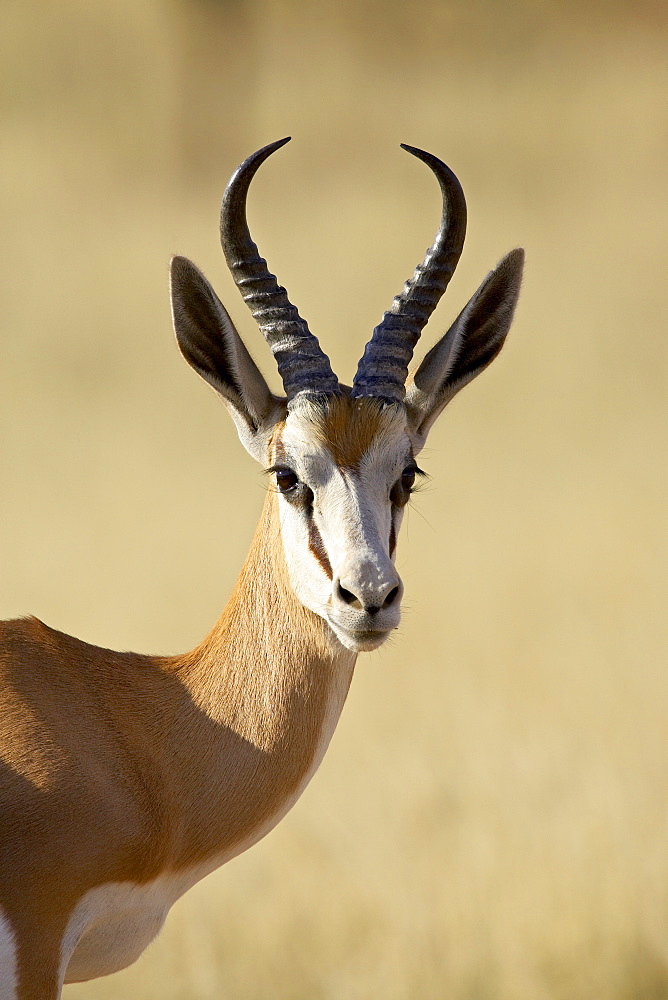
(344, 470)
(342, 459)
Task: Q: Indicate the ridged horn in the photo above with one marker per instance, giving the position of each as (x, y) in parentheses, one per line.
(383, 368)
(302, 365)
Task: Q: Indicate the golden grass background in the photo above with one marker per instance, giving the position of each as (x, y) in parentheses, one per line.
(491, 821)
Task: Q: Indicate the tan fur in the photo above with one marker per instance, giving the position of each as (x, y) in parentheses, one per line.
(118, 767)
(349, 427)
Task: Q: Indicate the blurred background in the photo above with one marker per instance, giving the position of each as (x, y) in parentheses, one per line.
(491, 821)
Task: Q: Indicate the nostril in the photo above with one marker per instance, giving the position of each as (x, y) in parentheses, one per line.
(346, 595)
(391, 597)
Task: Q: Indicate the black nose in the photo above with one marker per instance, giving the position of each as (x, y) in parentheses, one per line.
(372, 609)
(346, 595)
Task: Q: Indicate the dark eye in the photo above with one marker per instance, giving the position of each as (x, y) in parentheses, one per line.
(292, 488)
(286, 480)
(408, 478)
(400, 493)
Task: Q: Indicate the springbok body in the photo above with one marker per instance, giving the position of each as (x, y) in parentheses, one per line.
(127, 778)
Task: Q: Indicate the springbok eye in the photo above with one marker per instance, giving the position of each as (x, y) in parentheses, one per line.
(286, 479)
(408, 478)
(400, 493)
(292, 488)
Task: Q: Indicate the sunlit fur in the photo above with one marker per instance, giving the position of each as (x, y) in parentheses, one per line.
(121, 769)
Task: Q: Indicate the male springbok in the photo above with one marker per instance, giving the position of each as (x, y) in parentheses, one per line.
(127, 778)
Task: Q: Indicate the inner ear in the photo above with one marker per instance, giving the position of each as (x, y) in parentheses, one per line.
(211, 345)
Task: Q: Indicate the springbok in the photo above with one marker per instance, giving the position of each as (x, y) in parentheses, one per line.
(127, 778)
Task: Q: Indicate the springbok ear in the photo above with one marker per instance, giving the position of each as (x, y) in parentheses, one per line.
(211, 345)
(471, 343)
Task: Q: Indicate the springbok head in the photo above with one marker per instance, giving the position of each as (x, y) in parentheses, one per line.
(343, 459)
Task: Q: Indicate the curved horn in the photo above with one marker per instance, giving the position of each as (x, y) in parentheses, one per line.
(384, 365)
(301, 362)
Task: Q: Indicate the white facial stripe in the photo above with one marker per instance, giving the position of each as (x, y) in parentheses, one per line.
(357, 518)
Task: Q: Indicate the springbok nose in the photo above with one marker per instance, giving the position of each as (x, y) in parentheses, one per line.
(370, 600)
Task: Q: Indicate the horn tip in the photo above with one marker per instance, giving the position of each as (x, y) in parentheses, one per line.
(421, 154)
(266, 151)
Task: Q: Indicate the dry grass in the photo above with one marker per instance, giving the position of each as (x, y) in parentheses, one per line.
(491, 822)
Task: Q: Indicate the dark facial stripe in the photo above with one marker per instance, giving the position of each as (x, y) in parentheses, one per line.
(393, 536)
(318, 549)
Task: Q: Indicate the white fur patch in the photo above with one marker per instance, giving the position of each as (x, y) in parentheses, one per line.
(8, 979)
(111, 926)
